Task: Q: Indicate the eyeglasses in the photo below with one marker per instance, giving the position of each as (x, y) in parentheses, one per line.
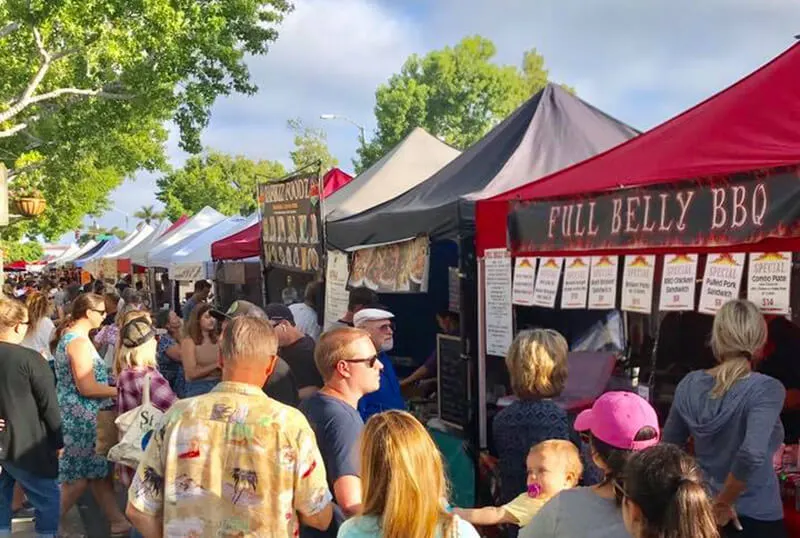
(586, 437)
(98, 310)
(620, 489)
(370, 361)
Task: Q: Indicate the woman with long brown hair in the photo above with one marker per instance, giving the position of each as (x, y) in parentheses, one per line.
(403, 481)
(200, 352)
(82, 391)
(41, 327)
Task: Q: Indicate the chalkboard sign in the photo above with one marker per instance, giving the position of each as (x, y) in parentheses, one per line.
(453, 382)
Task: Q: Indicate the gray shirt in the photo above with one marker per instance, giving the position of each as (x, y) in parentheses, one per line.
(737, 433)
(577, 513)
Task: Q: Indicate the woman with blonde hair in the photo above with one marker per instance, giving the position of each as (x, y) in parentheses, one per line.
(732, 414)
(404, 486)
(41, 328)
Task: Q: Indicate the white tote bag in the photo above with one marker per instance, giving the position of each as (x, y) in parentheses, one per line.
(135, 428)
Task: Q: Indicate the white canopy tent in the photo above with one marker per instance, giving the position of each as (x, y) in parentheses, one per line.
(150, 255)
(78, 253)
(72, 250)
(106, 264)
(147, 244)
(143, 232)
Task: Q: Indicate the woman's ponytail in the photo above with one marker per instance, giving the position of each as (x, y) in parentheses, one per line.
(688, 513)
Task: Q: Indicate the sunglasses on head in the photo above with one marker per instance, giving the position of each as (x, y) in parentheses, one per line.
(370, 361)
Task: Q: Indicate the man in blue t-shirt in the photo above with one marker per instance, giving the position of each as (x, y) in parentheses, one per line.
(377, 321)
(350, 368)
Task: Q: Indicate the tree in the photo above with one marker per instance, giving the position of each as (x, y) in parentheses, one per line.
(311, 145)
(224, 182)
(456, 93)
(99, 233)
(88, 85)
(29, 251)
(148, 214)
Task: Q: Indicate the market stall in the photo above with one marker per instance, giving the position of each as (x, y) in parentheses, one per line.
(105, 266)
(711, 197)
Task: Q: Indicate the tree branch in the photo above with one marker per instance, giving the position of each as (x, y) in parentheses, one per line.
(9, 28)
(11, 131)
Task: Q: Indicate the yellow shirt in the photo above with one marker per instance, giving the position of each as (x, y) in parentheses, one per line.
(523, 508)
(232, 463)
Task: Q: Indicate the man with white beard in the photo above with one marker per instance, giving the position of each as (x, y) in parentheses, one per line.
(377, 321)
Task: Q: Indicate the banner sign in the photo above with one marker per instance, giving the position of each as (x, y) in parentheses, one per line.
(547, 282)
(603, 283)
(576, 283)
(497, 302)
(721, 282)
(396, 268)
(744, 208)
(678, 283)
(637, 284)
(524, 281)
(336, 294)
(291, 224)
(453, 290)
(768, 277)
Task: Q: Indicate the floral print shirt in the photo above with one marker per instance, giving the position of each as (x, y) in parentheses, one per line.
(232, 462)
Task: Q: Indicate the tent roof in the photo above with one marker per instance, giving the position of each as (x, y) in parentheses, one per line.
(150, 256)
(241, 245)
(144, 247)
(751, 125)
(101, 247)
(551, 130)
(408, 164)
(80, 252)
(133, 239)
(197, 248)
(71, 250)
(334, 180)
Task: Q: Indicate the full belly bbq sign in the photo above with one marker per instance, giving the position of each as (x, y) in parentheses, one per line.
(740, 209)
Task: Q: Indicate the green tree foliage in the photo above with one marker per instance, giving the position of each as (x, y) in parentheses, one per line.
(224, 182)
(29, 251)
(87, 86)
(457, 93)
(148, 214)
(311, 145)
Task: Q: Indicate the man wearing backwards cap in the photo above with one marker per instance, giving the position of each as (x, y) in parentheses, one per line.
(281, 385)
(376, 320)
(618, 424)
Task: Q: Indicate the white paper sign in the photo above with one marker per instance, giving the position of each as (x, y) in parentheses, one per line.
(678, 283)
(575, 286)
(721, 281)
(637, 284)
(524, 281)
(768, 277)
(336, 294)
(547, 282)
(497, 301)
(603, 283)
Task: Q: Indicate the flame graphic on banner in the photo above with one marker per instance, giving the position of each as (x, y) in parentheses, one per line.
(725, 259)
(681, 258)
(771, 257)
(526, 262)
(605, 261)
(640, 261)
(551, 263)
(577, 263)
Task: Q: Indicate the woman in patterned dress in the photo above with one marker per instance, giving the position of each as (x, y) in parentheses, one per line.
(82, 390)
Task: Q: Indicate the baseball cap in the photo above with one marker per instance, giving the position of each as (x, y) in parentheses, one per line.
(239, 308)
(617, 417)
(136, 332)
(371, 314)
(279, 312)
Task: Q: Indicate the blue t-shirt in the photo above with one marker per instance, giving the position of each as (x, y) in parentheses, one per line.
(387, 397)
(369, 527)
(337, 427)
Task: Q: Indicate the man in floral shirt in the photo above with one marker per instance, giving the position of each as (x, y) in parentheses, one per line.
(232, 462)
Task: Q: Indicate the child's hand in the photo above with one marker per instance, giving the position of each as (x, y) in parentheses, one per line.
(458, 511)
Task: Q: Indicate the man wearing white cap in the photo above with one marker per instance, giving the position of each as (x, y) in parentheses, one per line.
(377, 321)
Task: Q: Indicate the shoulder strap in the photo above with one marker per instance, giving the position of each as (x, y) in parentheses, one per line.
(146, 390)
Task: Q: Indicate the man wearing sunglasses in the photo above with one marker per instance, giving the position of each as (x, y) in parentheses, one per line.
(377, 321)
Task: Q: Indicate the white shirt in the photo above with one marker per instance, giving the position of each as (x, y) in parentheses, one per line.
(39, 337)
(305, 318)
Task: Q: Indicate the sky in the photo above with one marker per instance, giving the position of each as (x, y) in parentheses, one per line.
(641, 62)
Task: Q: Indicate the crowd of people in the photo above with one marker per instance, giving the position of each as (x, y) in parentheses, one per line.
(273, 428)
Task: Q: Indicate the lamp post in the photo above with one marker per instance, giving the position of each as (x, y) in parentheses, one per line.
(362, 137)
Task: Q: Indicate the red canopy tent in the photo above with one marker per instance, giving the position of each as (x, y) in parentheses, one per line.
(751, 129)
(246, 243)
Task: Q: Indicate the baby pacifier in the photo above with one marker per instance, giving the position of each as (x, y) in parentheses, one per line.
(534, 490)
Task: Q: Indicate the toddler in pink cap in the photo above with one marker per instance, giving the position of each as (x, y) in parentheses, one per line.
(618, 424)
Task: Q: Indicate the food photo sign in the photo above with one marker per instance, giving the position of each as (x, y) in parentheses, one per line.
(291, 224)
(396, 268)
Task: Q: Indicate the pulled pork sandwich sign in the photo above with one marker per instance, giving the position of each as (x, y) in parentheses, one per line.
(291, 224)
(745, 208)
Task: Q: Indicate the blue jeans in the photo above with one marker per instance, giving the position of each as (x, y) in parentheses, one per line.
(43, 493)
(199, 387)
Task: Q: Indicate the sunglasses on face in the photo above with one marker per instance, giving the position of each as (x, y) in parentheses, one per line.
(620, 489)
(370, 361)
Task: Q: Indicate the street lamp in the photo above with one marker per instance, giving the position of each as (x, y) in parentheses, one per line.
(362, 136)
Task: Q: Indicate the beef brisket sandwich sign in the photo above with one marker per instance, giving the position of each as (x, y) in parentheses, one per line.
(745, 208)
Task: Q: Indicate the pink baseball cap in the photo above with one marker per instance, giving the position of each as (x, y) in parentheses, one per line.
(617, 417)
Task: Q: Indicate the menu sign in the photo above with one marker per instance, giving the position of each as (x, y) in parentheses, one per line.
(576, 283)
(524, 281)
(721, 282)
(678, 283)
(637, 284)
(497, 301)
(396, 268)
(453, 382)
(336, 294)
(547, 282)
(603, 283)
(291, 224)
(768, 278)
